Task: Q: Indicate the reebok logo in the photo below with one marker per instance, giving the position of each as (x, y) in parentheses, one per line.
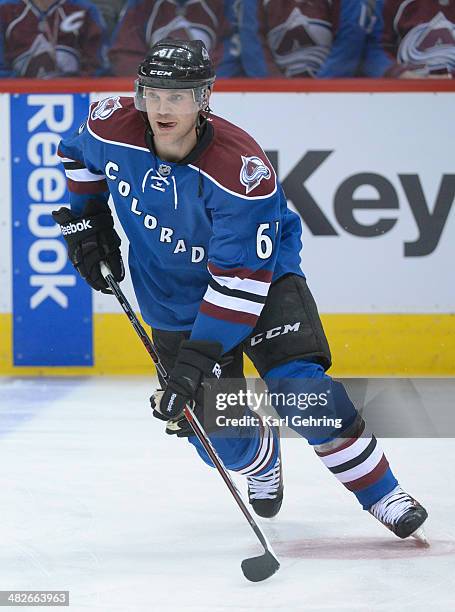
(171, 402)
(73, 228)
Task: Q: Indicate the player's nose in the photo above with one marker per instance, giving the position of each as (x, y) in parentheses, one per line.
(163, 107)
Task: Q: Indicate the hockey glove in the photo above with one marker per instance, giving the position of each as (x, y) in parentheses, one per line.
(179, 426)
(196, 364)
(91, 239)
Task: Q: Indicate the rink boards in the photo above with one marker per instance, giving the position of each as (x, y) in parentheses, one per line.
(370, 173)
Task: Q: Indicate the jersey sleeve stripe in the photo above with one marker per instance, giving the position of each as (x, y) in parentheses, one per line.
(259, 275)
(243, 284)
(73, 165)
(232, 303)
(225, 314)
(80, 179)
(87, 187)
(83, 175)
(245, 295)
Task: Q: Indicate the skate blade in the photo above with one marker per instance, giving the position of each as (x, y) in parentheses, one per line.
(420, 536)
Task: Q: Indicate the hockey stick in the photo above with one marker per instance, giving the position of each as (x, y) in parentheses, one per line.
(255, 568)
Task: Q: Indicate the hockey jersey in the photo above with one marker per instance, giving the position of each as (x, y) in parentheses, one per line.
(207, 235)
(288, 38)
(355, 49)
(67, 39)
(411, 35)
(306, 38)
(145, 22)
(420, 33)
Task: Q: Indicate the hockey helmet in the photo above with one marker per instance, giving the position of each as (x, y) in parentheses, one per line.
(176, 64)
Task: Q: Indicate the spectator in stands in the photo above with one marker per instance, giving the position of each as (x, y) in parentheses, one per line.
(306, 38)
(111, 11)
(416, 39)
(291, 38)
(51, 38)
(231, 63)
(145, 22)
(354, 51)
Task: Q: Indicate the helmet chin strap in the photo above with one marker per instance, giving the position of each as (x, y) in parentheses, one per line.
(202, 120)
(203, 116)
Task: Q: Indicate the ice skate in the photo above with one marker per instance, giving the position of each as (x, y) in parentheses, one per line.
(265, 492)
(402, 514)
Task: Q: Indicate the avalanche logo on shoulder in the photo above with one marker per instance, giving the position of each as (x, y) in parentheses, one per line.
(252, 172)
(105, 108)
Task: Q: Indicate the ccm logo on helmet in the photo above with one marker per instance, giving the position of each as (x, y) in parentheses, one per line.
(161, 72)
(73, 228)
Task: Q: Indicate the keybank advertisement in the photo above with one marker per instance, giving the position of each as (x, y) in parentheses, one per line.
(52, 309)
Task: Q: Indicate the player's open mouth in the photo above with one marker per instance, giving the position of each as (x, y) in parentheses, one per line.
(166, 125)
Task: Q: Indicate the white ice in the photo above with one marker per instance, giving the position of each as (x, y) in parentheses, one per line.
(97, 500)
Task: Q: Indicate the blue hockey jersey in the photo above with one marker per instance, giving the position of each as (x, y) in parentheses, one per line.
(206, 235)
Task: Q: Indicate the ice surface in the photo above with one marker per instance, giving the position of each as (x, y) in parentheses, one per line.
(97, 500)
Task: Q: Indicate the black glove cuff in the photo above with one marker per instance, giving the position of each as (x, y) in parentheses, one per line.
(201, 355)
(91, 238)
(78, 229)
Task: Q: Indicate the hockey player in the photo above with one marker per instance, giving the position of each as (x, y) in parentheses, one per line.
(214, 259)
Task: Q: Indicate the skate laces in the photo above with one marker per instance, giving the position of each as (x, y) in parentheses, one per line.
(265, 486)
(392, 506)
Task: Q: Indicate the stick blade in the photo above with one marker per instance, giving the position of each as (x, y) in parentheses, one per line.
(260, 568)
